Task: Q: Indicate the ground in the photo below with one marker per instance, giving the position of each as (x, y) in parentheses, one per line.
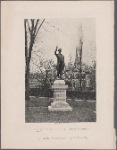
(37, 111)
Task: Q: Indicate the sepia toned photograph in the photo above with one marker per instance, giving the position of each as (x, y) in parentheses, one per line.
(57, 79)
(60, 70)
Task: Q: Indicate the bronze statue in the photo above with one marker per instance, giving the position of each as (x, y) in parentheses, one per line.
(60, 62)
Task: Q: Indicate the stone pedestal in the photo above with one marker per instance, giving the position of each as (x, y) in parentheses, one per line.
(59, 101)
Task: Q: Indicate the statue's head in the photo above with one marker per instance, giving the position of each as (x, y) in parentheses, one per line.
(59, 50)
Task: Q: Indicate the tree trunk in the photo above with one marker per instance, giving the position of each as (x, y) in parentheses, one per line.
(32, 31)
(27, 87)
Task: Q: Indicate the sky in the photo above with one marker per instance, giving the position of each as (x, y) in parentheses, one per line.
(65, 33)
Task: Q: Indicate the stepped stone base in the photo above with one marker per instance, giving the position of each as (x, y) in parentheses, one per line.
(59, 109)
(59, 106)
(59, 101)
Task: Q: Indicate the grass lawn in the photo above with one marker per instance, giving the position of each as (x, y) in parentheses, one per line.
(37, 111)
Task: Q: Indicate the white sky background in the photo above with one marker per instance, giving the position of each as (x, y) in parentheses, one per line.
(65, 33)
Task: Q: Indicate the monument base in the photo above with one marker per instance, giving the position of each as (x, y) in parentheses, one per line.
(59, 106)
(59, 109)
(59, 101)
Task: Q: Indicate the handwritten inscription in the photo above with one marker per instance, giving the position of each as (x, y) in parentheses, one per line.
(62, 137)
(61, 129)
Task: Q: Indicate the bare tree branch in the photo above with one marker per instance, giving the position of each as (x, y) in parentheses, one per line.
(38, 29)
(36, 54)
(31, 38)
(26, 47)
(36, 26)
(32, 23)
(37, 66)
(28, 26)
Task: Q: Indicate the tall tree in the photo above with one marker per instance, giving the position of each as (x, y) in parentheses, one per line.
(32, 27)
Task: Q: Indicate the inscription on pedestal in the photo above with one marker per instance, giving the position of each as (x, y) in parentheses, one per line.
(60, 94)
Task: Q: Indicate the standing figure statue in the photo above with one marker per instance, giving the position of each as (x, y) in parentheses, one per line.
(60, 62)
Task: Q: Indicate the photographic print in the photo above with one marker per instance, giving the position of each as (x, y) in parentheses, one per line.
(60, 70)
(57, 75)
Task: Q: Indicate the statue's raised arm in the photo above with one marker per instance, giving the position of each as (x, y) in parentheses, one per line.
(56, 51)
